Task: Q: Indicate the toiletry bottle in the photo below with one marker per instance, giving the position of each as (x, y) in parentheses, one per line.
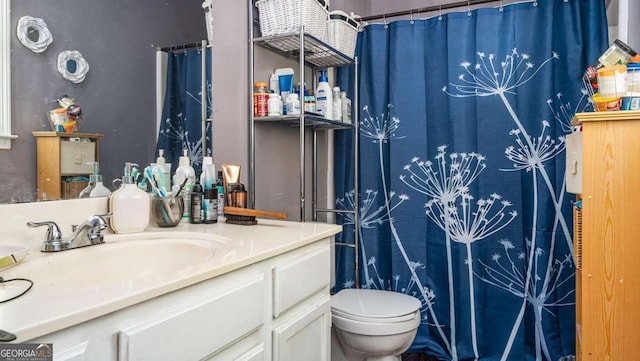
(86, 192)
(185, 172)
(293, 104)
(324, 96)
(207, 177)
(337, 105)
(239, 196)
(162, 172)
(99, 190)
(195, 214)
(346, 108)
(211, 199)
(130, 206)
(207, 181)
(220, 187)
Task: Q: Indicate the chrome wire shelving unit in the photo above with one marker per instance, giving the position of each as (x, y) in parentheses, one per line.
(307, 51)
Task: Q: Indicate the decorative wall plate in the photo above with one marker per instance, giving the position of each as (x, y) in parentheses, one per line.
(34, 34)
(72, 66)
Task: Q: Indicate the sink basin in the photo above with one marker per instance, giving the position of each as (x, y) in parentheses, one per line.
(123, 260)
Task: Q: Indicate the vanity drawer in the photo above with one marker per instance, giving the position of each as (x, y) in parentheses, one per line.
(299, 278)
(195, 332)
(77, 157)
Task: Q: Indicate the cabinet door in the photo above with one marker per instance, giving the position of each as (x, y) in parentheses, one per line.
(198, 331)
(298, 279)
(75, 353)
(305, 336)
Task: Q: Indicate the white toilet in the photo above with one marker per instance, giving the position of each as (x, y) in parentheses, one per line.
(372, 325)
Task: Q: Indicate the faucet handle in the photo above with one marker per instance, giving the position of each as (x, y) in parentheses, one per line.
(53, 231)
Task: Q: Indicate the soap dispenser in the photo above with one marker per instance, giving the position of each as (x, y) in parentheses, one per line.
(185, 172)
(130, 206)
(161, 172)
(99, 190)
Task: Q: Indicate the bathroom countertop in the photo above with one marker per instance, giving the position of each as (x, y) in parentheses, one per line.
(49, 306)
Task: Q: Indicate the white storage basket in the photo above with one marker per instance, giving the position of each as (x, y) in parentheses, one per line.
(285, 16)
(342, 32)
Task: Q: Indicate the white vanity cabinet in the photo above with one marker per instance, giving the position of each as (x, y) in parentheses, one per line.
(275, 309)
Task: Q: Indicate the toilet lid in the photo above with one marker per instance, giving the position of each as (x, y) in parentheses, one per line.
(369, 304)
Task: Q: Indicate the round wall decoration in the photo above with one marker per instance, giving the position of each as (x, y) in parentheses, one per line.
(72, 66)
(34, 34)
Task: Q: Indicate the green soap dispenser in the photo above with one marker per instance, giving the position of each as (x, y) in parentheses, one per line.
(130, 206)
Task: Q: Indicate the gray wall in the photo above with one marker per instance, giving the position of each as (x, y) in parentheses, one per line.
(119, 39)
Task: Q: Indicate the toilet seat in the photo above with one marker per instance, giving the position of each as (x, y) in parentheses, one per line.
(372, 328)
(378, 306)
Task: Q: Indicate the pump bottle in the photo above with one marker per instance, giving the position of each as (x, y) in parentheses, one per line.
(161, 172)
(130, 206)
(185, 172)
(324, 96)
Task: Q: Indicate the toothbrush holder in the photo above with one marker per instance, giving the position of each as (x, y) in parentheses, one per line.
(167, 211)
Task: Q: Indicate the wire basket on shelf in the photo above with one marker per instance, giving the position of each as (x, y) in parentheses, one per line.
(285, 16)
(342, 32)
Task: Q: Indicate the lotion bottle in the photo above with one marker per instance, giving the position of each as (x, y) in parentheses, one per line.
(130, 206)
(185, 172)
(161, 172)
(324, 96)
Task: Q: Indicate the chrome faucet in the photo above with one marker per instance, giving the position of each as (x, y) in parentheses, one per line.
(88, 233)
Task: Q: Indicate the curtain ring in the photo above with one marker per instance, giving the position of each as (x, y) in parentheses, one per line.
(535, 3)
(411, 15)
(501, 9)
(468, 7)
(440, 12)
(384, 18)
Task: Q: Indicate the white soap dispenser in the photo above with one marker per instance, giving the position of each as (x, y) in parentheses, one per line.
(99, 190)
(161, 172)
(130, 206)
(185, 172)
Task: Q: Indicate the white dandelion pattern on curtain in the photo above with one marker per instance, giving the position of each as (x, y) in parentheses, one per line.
(175, 129)
(449, 204)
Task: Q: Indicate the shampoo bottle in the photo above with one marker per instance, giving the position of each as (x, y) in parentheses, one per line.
(99, 190)
(130, 206)
(337, 105)
(185, 172)
(161, 172)
(324, 96)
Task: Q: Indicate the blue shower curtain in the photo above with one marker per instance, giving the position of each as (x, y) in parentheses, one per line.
(181, 126)
(463, 205)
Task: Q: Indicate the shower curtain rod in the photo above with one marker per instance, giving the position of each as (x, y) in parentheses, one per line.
(428, 9)
(181, 47)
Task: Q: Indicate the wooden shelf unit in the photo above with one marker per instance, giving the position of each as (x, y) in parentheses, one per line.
(62, 155)
(607, 247)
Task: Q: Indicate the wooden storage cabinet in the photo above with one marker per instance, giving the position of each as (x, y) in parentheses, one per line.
(63, 155)
(607, 238)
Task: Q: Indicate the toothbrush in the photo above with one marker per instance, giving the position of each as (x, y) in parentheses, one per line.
(148, 175)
